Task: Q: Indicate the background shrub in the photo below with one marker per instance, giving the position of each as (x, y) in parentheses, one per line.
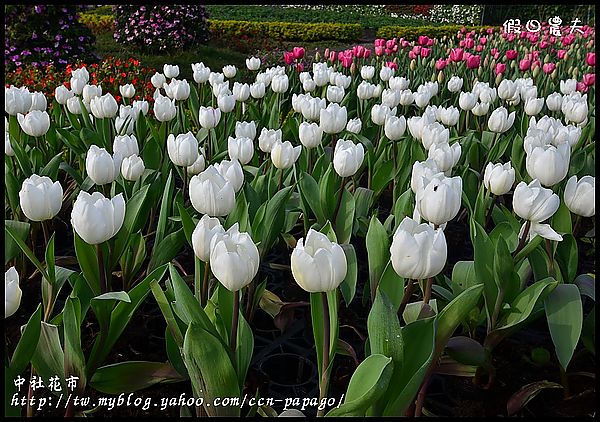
(160, 28)
(412, 33)
(40, 35)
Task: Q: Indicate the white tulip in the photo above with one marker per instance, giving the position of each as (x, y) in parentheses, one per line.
(533, 202)
(12, 292)
(157, 80)
(385, 73)
(241, 149)
(335, 94)
(234, 258)
(211, 194)
(8, 150)
(446, 156)
(209, 117)
(77, 85)
(354, 125)
(333, 119)
(102, 167)
(380, 112)
(455, 84)
(310, 134)
(253, 63)
(35, 123)
(284, 155)
(318, 265)
(507, 89)
(232, 172)
(439, 201)
(499, 178)
(198, 166)
(257, 90)
(367, 72)
(481, 109)
(241, 92)
(422, 173)
(548, 164)
(448, 116)
(347, 157)
(38, 101)
(398, 83)
(226, 103)
(267, 138)
(467, 100)
(126, 145)
(74, 105)
(434, 133)
(132, 168)
(127, 90)
(40, 199)
(171, 71)
(62, 94)
(568, 87)
(183, 149)
(200, 72)
(418, 251)
(580, 195)
(500, 121)
(533, 106)
(245, 130)
(406, 97)
(280, 83)
(394, 127)
(104, 107)
(311, 108)
(96, 218)
(207, 228)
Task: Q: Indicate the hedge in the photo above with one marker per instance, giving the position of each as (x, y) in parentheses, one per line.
(286, 31)
(411, 33)
(97, 23)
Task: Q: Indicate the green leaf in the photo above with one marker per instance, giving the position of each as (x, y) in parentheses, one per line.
(163, 217)
(465, 350)
(345, 218)
(27, 343)
(567, 257)
(211, 370)
(51, 169)
(268, 229)
(382, 177)
(168, 249)
(74, 359)
(348, 285)
(403, 207)
(564, 312)
(318, 323)
(48, 358)
(392, 285)
(50, 264)
(188, 224)
(11, 248)
(463, 276)
(310, 193)
(368, 383)
(561, 220)
(245, 349)
(587, 285)
(127, 377)
(419, 342)
(378, 251)
(88, 262)
(526, 393)
(327, 189)
(15, 236)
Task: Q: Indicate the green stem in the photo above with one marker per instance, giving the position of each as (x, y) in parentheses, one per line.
(407, 294)
(101, 270)
(523, 239)
(234, 321)
(280, 184)
(324, 382)
(204, 296)
(339, 200)
(427, 293)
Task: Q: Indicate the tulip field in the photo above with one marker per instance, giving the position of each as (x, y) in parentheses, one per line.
(404, 228)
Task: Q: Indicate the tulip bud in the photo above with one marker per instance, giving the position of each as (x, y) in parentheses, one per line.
(241, 149)
(413, 65)
(394, 127)
(40, 199)
(418, 251)
(580, 195)
(126, 145)
(207, 228)
(164, 109)
(284, 155)
(12, 292)
(96, 218)
(211, 194)
(318, 265)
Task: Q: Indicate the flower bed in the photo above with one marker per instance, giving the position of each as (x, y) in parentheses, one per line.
(392, 230)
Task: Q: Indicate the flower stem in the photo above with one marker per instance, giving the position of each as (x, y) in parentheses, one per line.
(204, 295)
(333, 143)
(523, 239)
(324, 382)
(427, 293)
(101, 270)
(489, 214)
(234, 321)
(339, 200)
(407, 294)
(184, 183)
(280, 184)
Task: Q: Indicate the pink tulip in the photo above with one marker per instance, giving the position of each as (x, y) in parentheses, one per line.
(589, 79)
(298, 52)
(469, 43)
(493, 50)
(581, 87)
(490, 31)
(327, 52)
(417, 49)
(512, 54)
(463, 29)
(552, 40)
(430, 42)
(422, 40)
(461, 43)
(300, 67)
(390, 43)
(590, 59)
(544, 44)
(425, 52)
(392, 65)
(524, 64)
(500, 68)
(332, 56)
(482, 40)
(412, 55)
(511, 37)
(367, 53)
(497, 56)
(459, 35)
(535, 63)
(479, 48)
(388, 51)
(456, 54)
(561, 54)
(440, 64)
(548, 68)
(534, 39)
(378, 50)
(405, 43)
(379, 42)
(473, 61)
(568, 40)
(360, 51)
(288, 56)
(346, 61)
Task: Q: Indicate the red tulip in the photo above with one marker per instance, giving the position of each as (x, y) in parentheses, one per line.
(456, 54)
(548, 68)
(524, 64)
(298, 52)
(590, 59)
(440, 64)
(473, 61)
(512, 54)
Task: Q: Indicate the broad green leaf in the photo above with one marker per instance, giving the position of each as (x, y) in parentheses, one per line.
(378, 252)
(48, 358)
(168, 249)
(127, 377)
(368, 383)
(564, 312)
(392, 285)
(74, 359)
(463, 276)
(309, 189)
(211, 370)
(11, 248)
(28, 252)
(348, 285)
(88, 262)
(27, 343)
(345, 217)
(567, 257)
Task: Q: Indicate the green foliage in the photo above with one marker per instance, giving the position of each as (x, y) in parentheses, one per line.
(411, 33)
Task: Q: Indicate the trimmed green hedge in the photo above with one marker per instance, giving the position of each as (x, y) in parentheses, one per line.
(412, 33)
(97, 23)
(286, 31)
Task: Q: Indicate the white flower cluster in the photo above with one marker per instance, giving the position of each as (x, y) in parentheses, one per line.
(458, 14)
